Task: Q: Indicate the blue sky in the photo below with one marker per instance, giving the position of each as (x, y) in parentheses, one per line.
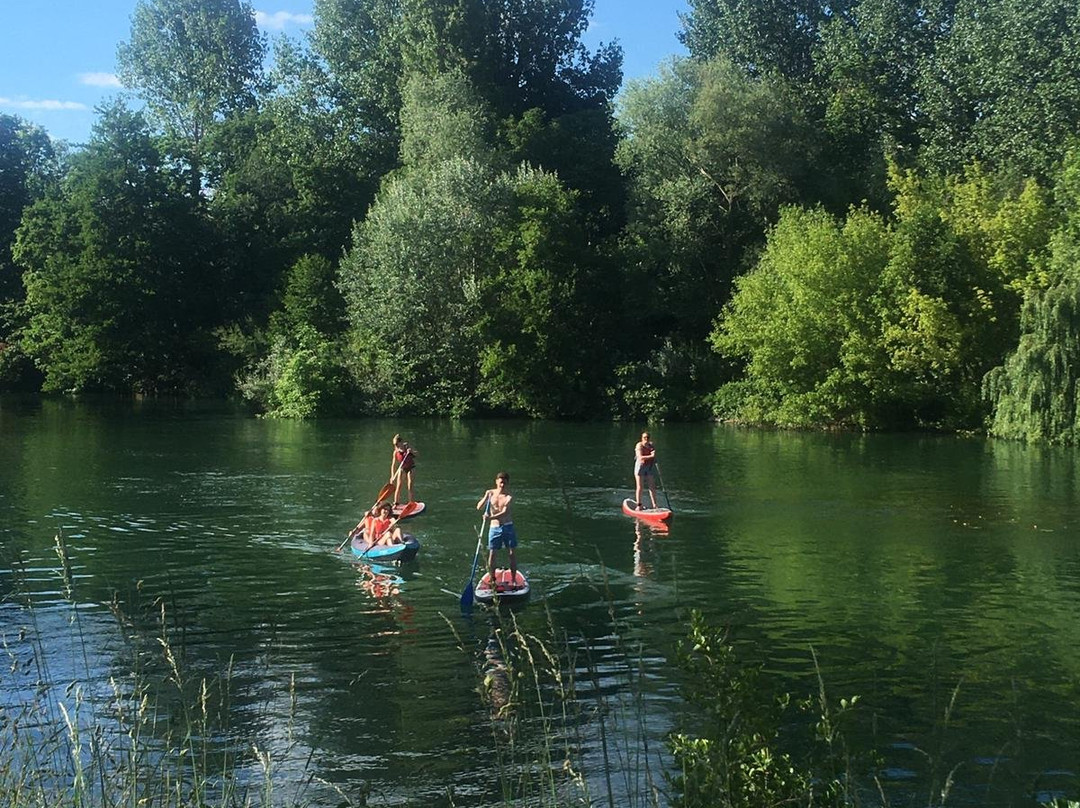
(58, 57)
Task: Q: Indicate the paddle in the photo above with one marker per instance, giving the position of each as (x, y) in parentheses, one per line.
(384, 492)
(467, 593)
(660, 477)
(388, 489)
(407, 511)
(352, 533)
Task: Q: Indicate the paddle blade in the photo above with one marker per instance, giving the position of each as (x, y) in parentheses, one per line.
(467, 597)
(409, 510)
(384, 492)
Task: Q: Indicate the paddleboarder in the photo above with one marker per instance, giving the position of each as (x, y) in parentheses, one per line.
(644, 469)
(383, 529)
(501, 532)
(404, 460)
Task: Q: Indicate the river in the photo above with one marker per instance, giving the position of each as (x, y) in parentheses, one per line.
(936, 577)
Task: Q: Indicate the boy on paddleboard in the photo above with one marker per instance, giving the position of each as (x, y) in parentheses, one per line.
(501, 532)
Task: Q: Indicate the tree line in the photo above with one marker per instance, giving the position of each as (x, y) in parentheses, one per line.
(860, 214)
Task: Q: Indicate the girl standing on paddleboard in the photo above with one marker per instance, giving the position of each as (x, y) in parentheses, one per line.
(404, 460)
(644, 469)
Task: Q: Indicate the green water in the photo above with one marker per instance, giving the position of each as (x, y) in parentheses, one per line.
(910, 564)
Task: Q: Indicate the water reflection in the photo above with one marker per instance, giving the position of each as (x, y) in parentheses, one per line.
(909, 563)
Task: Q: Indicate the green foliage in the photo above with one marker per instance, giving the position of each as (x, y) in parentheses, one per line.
(806, 322)
(1003, 87)
(667, 384)
(760, 37)
(867, 69)
(193, 62)
(883, 325)
(115, 298)
(1034, 392)
(711, 154)
(28, 166)
(412, 286)
(737, 758)
(311, 298)
(441, 118)
(302, 376)
(543, 305)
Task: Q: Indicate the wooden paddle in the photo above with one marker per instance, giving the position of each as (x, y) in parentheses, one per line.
(384, 492)
(406, 512)
(469, 591)
(388, 489)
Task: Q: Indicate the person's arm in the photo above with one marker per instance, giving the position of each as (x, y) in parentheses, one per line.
(483, 499)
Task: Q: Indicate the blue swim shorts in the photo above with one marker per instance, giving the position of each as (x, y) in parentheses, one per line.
(502, 536)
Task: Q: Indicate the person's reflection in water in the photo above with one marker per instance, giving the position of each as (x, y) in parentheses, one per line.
(496, 682)
(384, 585)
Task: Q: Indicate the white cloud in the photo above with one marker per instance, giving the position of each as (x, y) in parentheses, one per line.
(25, 103)
(279, 19)
(99, 79)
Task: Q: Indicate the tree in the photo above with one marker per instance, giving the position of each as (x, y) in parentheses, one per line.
(881, 324)
(774, 36)
(1034, 392)
(119, 291)
(1003, 87)
(806, 323)
(194, 63)
(412, 287)
(443, 118)
(711, 154)
(550, 96)
(867, 70)
(544, 305)
(28, 167)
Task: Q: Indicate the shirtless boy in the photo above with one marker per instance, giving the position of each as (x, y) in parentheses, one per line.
(501, 533)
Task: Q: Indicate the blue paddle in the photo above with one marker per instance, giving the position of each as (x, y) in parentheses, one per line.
(469, 591)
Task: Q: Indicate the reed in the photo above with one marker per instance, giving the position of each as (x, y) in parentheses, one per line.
(154, 736)
(568, 716)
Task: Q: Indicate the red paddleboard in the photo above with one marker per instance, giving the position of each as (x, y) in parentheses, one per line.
(505, 589)
(646, 514)
(418, 508)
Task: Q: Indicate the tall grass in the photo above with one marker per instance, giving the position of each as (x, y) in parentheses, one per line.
(153, 736)
(561, 723)
(569, 726)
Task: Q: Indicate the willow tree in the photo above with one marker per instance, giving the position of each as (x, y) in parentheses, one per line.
(1034, 392)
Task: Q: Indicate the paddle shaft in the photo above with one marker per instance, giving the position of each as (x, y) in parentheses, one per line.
(406, 511)
(467, 593)
(384, 492)
(660, 477)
